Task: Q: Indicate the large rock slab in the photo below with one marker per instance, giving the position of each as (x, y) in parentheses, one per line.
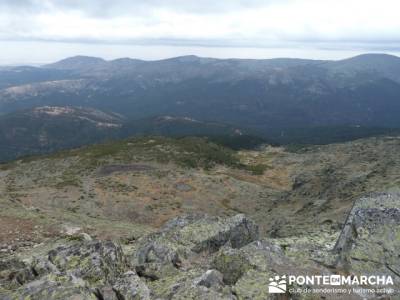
(185, 237)
(249, 268)
(370, 240)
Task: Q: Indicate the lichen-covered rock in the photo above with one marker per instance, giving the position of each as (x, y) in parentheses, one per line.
(370, 239)
(253, 286)
(167, 287)
(14, 272)
(159, 257)
(232, 263)
(57, 287)
(248, 269)
(202, 257)
(188, 236)
(208, 285)
(361, 214)
(262, 256)
(131, 287)
(70, 271)
(96, 261)
(210, 279)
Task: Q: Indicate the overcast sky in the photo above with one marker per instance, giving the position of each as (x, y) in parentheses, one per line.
(39, 31)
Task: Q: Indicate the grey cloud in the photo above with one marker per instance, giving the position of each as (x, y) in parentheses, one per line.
(20, 6)
(17, 3)
(107, 8)
(21, 28)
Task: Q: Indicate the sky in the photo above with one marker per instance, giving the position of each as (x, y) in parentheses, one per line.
(42, 31)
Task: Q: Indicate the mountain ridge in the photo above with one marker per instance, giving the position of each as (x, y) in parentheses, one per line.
(263, 96)
(92, 60)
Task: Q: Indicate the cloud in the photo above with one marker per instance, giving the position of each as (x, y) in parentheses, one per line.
(107, 8)
(229, 23)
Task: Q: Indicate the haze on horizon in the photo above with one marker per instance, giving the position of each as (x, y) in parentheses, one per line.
(43, 31)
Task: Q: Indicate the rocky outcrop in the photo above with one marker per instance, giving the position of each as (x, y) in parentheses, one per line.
(90, 269)
(186, 237)
(248, 269)
(71, 271)
(199, 257)
(370, 239)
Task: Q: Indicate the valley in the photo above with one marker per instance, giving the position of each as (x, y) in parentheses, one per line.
(126, 191)
(148, 181)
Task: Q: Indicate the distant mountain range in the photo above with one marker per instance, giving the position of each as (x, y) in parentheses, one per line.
(274, 98)
(50, 128)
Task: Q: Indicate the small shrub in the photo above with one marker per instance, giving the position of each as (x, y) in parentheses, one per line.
(258, 169)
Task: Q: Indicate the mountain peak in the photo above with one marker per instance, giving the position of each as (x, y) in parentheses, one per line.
(186, 57)
(189, 59)
(372, 57)
(385, 65)
(77, 62)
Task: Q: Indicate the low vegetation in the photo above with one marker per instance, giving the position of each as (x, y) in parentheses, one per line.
(188, 152)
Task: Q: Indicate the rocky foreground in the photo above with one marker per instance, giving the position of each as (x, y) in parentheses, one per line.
(204, 257)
